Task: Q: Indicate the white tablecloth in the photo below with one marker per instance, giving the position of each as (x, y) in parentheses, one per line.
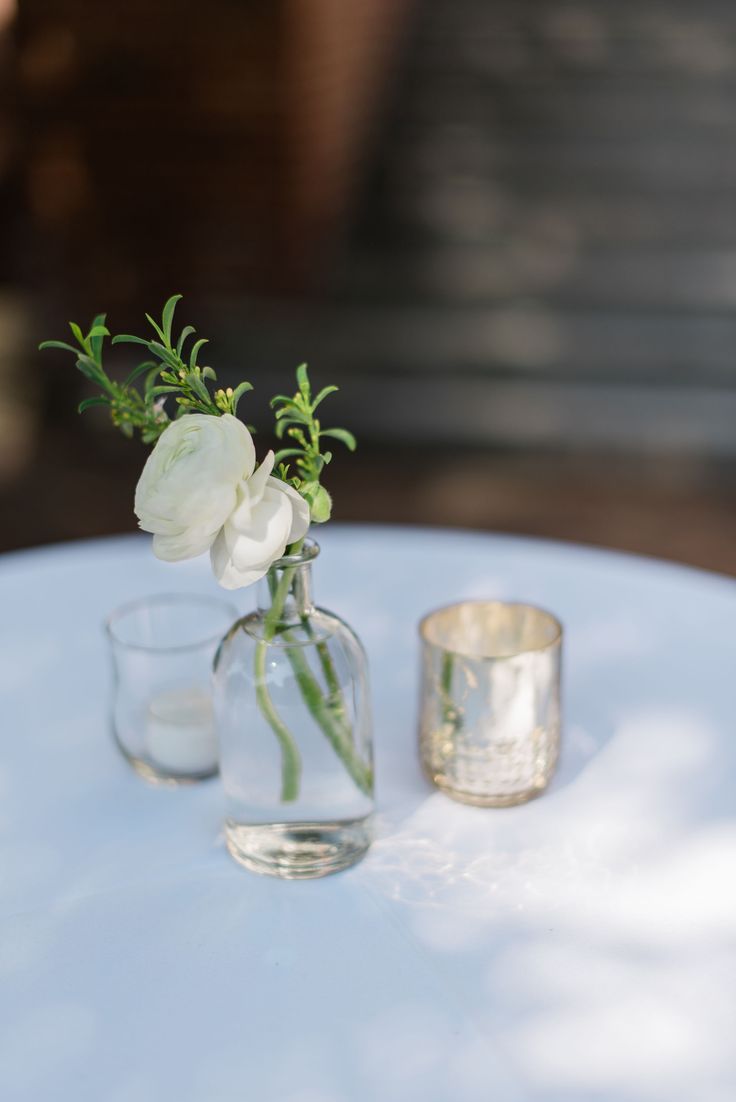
(577, 948)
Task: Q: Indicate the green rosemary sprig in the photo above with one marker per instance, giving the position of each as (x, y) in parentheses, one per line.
(184, 377)
(129, 409)
(166, 374)
(295, 418)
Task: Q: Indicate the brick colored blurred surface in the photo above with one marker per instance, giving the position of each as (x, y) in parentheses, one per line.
(506, 229)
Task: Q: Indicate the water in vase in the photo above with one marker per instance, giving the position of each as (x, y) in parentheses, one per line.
(294, 728)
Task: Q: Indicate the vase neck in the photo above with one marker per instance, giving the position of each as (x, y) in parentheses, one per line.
(285, 593)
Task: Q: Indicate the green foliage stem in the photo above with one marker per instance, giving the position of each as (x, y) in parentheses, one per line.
(166, 373)
(295, 419)
(327, 710)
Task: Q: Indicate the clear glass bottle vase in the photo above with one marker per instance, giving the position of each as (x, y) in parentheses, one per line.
(294, 725)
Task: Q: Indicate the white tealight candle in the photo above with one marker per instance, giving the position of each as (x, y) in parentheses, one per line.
(513, 699)
(181, 731)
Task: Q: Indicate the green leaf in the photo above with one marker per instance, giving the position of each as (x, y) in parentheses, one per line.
(320, 507)
(199, 388)
(195, 350)
(89, 368)
(88, 372)
(96, 335)
(186, 332)
(156, 390)
(78, 334)
(58, 344)
(88, 402)
(283, 398)
(292, 414)
(128, 338)
(151, 377)
(302, 377)
(322, 395)
(147, 365)
(152, 434)
(163, 354)
(209, 373)
(343, 435)
(168, 317)
(240, 390)
(157, 327)
(284, 453)
(280, 429)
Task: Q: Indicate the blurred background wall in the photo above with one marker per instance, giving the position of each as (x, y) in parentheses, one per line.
(505, 228)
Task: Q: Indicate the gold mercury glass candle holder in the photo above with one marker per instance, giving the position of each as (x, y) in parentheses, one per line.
(489, 730)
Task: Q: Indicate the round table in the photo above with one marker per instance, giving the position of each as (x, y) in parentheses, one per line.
(578, 947)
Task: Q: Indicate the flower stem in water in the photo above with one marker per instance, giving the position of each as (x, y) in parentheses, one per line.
(328, 712)
(291, 765)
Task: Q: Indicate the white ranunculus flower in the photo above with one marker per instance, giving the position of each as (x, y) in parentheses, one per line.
(268, 516)
(189, 485)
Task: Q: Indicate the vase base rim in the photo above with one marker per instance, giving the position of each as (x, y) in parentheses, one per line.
(157, 775)
(298, 851)
(501, 799)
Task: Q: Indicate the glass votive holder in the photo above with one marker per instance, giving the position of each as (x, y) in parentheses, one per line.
(162, 651)
(489, 729)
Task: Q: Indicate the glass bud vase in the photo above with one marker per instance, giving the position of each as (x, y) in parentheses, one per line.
(294, 726)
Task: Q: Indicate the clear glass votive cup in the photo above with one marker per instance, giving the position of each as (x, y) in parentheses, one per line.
(489, 727)
(162, 651)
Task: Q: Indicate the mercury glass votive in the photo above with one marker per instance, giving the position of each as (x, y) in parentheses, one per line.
(489, 729)
(162, 651)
